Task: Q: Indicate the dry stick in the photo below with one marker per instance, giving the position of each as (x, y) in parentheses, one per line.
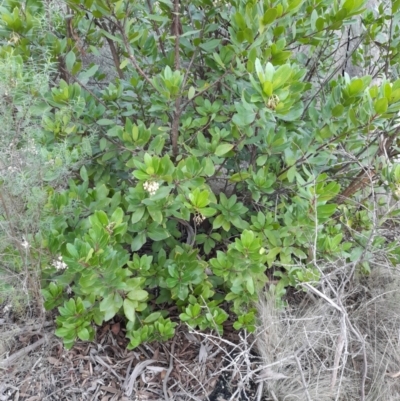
(338, 352)
(319, 293)
(11, 359)
(260, 391)
(101, 362)
(137, 371)
(302, 377)
(194, 377)
(188, 394)
(171, 366)
(365, 362)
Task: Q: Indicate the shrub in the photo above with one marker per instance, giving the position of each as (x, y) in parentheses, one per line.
(227, 145)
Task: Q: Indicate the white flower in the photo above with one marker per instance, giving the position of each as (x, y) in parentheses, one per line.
(151, 187)
(12, 169)
(59, 264)
(25, 243)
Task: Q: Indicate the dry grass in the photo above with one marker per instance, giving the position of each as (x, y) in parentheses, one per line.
(336, 343)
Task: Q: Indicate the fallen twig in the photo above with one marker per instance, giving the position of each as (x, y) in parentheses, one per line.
(171, 366)
(24, 351)
(302, 377)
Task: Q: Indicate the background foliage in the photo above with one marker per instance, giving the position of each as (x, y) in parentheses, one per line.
(193, 151)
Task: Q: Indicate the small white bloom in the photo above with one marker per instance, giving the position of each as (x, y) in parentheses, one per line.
(25, 243)
(59, 264)
(12, 169)
(151, 187)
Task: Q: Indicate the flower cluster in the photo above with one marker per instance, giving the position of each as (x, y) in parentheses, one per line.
(151, 187)
(59, 264)
(25, 244)
(198, 218)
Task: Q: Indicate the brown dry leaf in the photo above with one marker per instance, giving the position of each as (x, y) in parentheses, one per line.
(393, 375)
(53, 361)
(156, 354)
(109, 389)
(115, 328)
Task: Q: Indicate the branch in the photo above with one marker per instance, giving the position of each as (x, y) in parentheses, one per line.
(132, 58)
(367, 175)
(114, 53)
(335, 71)
(205, 89)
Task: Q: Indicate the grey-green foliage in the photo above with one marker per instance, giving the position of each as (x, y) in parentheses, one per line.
(26, 168)
(203, 96)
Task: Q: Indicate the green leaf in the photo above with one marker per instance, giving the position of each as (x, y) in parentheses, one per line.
(191, 92)
(138, 295)
(337, 111)
(155, 214)
(118, 216)
(85, 75)
(83, 334)
(158, 233)
(326, 211)
(104, 121)
(381, 106)
(269, 16)
(83, 174)
(70, 60)
(130, 309)
(250, 285)
(101, 192)
(207, 211)
(210, 45)
(138, 242)
(282, 74)
(72, 251)
(313, 19)
(356, 86)
(223, 149)
(140, 175)
(138, 214)
(124, 64)
(240, 21)
(152, 317)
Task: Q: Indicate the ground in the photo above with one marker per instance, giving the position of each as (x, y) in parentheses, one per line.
(191, 366)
